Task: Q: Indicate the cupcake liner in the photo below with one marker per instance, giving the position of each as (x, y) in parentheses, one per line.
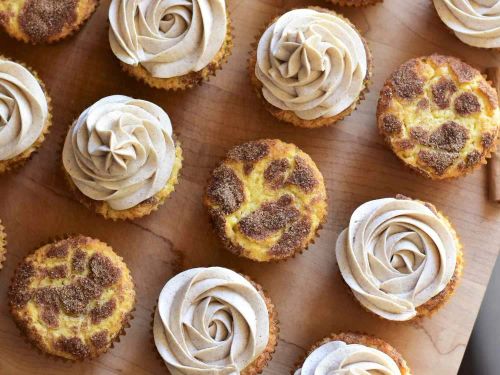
(355, 3)
(362, 339)
(32, 338)
(144, 208)
(68, 32)
(434, 304)
(3, 245)
(261, 362)
(289, 116)
(19, 160)
(191, 79)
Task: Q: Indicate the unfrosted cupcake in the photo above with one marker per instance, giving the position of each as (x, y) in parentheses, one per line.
(214, 321)
(266, 200)
(44, 21)
(355, 3)
(474, 22)
(401, 258)
(440, 116)
(170, 45)
(310, 67)
(72, 298)
(353, 353)
(3, 245)
(120, 157)
(25, 116)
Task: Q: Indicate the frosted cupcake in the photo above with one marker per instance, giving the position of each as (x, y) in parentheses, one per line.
(120, 157)
(25, 116)
(214, 321)
(311, 67)
(401, 258)
(170, 45)
(474, 22)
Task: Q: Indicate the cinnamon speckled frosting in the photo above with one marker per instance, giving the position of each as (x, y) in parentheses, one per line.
(337, 357)
(396, 255)
(210, 321)
(475, 22)
(168, 38)
(312, 63)
(120, 150)
(23, 109)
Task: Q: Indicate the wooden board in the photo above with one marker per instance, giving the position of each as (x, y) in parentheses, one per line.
(35, 203)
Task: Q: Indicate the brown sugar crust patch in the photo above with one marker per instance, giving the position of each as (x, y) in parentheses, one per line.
(249, 153)
(446, 138)
(272, 210)
(361, 339)
(289, 116)
(62, 316)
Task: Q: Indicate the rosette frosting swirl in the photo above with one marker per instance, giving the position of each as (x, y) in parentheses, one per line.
(475, 22)
(120, 150)
(23, 109)
(169, 38)
(312, 63)
(210, 321)
(337, 357)
(396, 255)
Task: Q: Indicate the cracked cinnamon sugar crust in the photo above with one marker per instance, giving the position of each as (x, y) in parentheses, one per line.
(266, 200)
(72, 298)
(44, 21)
(439, 115)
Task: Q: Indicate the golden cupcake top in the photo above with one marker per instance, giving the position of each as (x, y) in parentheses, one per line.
(439, 115)
(72, 298)
(396, 255)
(267, 199)
(44, 21)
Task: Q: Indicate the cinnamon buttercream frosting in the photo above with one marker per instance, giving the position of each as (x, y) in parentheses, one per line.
(312, 63)
(474, 22)
(120, 151)
(168, 38)
(210, 321)
(396, 255)
(23, 109)
(337, 357)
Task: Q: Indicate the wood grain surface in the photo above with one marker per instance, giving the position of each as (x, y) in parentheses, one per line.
(35, 204)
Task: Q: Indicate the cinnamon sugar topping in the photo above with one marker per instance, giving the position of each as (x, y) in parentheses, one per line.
(102, 270)
(439, 161)
(391, 125)
(275, 173)
(98, 313)
(226, 189)
(249, 153)
(292, 238)
(302, 176)
(442, 92)
(73, 346)
(467, 103)
(407, 82)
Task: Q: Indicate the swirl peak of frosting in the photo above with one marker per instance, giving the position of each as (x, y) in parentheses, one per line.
(23, 109)
(396, 255)
(120, 150)
(167, 38)
(338, 357)
(312, 63)
(210, 321)
(474, 22)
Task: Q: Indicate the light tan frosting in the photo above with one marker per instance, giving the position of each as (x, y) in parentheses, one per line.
(23, 109)
(396, 255)
(120, 150)
(210, 321)
(168, 38)
(312, 63)
(337, 357)
(475, 22)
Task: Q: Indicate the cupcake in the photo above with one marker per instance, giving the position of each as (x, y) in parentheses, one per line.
(401, 258)
(310, 67)
(170, 45)
(72, 298)
(439, 116)
(266, 199)
(355, 3)
(474, 22)
(44, 21)
(3, 245)
(25, 115)
(214, 321)
(353, 353)
(120, 157)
